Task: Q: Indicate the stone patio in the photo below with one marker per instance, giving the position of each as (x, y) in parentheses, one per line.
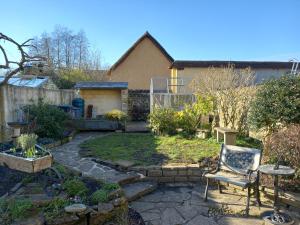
(185, 206)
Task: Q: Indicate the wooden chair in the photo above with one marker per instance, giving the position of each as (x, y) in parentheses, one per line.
(237, 166)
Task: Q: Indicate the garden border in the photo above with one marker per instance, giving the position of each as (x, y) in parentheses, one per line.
(62, 141)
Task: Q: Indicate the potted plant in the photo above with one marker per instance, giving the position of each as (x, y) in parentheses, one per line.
(117, 116)
(26, 156)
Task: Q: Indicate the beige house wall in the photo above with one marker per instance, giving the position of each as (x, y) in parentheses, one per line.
(143, 63)
(103, 101)
(190, 74)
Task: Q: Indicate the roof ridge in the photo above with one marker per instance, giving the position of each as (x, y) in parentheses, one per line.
(127, 53)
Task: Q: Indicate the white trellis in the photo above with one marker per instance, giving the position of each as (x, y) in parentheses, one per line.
(170, 93)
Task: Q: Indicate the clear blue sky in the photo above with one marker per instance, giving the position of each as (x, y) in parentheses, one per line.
(221, 30)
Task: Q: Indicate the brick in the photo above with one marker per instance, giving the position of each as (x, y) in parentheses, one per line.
(198, 172)
(194, 178)
(168, 173)
(182, 172)
(154, 173)
(181, 179)
(166, 179)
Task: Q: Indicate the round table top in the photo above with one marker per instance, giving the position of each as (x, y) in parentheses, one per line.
(282, 170)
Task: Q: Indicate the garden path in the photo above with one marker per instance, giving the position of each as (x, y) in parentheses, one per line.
(68, 155)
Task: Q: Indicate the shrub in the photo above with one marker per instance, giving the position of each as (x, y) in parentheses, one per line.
(27, 143)
(75, 187)
(190, 118)
(54, 208)
(163, 121)
(99, 196)
(284, 147)
(110, 186)
(13, 209)
(49, 119)
(277, 104)
(116, 115)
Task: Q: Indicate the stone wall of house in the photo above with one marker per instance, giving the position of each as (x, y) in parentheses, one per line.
(138, 104)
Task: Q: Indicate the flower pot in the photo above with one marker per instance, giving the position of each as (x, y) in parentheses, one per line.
(202, 133)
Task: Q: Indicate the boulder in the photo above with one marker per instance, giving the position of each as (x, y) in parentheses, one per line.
(75, 208)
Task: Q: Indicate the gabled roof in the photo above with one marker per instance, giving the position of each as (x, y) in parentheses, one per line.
(181, 64)
(152, 39)
(101, 85)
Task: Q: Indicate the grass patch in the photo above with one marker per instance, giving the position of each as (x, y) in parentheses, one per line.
(148, 149)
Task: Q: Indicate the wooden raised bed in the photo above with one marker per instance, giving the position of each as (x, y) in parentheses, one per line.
(28, 165)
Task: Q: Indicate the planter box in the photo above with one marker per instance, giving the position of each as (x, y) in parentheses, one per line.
(28, 165)
(95, 124)
(202, 133)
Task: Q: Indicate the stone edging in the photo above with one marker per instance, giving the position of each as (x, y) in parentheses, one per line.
(171, 173)
(61, 142)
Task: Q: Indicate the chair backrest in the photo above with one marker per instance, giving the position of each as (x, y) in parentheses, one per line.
(239, 159)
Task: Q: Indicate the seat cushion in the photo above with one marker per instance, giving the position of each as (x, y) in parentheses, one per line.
(231, 178)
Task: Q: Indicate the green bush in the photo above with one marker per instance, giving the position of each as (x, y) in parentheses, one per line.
(99, 196)
(111, 186)
(49, 119)
(115, 115)
(55, 208)
(163, 121)
(13, 209)
(277, 104)
(75, 187)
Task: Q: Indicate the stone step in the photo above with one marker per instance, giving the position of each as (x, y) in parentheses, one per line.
(137, 190)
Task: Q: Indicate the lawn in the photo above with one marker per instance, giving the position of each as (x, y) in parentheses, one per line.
(148, 149)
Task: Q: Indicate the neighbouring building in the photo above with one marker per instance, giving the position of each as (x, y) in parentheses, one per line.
(145, 59)
(190, 70)
(103, 97)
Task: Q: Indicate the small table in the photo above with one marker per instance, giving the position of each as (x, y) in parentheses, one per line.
(229, 135)
(277, 217)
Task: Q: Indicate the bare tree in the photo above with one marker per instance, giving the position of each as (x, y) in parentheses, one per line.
(232, 90)
(12, 66)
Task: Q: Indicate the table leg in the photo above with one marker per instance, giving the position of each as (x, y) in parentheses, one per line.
(276, 209)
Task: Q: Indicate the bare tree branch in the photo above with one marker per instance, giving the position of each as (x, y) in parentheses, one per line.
(25, 57)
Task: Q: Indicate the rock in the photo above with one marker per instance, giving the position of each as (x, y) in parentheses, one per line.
(203, 221)
(139, 189)
(75, 208)
(64, 220)
(124, 164)
(105, 208)
(170, 217)
(119, 201)
(239, 221)
(36, 220)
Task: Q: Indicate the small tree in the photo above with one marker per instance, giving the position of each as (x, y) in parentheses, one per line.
(276, 105)
(232, 90)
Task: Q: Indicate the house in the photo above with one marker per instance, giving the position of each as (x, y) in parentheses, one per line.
(102, 97)
(263, 70)
(145, 59)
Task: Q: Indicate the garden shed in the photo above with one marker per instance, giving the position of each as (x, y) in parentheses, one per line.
(103, 97)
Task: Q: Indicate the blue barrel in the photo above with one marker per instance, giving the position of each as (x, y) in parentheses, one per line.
(79, 103)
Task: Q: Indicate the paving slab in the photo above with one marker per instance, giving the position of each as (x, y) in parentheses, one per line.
(137, 190)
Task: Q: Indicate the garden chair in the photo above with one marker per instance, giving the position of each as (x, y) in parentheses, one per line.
(237, 166)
